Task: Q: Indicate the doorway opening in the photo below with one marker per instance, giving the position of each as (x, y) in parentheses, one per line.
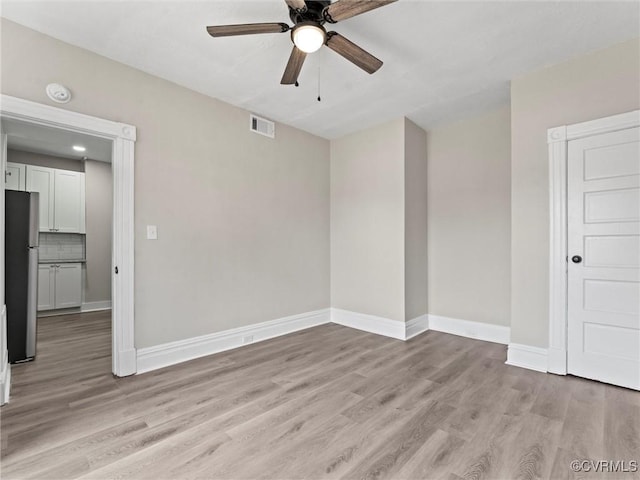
(71, 174)
(117, 139)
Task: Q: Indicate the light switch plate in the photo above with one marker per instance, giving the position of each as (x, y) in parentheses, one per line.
(152, 232)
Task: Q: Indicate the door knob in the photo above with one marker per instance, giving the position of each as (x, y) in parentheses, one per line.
(576, 259)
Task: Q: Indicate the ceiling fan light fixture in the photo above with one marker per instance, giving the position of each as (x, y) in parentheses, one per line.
(309, 37)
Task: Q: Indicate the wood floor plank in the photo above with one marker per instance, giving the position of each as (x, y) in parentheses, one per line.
(326, 402)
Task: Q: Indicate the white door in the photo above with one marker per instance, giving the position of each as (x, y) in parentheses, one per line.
(68, 291)
(69, 202)
(14, 177)
(604, 257)
(41, 180)
(46, 283)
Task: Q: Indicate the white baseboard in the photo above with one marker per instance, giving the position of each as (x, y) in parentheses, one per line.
(5, 383)
(526, 356)
(416, 326)
(96, 306)
(469, 329)
(369, 323)
(5, 367)
(159, 356)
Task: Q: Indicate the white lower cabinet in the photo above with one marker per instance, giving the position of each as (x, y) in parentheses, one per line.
(59, 286)
(46, 287)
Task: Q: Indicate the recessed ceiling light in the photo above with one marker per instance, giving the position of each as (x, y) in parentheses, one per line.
(79, 148)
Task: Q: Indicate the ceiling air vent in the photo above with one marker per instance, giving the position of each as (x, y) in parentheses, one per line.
(262, 126)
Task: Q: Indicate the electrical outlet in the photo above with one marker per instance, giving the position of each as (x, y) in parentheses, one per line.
(247, 339)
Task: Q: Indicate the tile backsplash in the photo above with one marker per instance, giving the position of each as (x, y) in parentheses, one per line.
(62, 246)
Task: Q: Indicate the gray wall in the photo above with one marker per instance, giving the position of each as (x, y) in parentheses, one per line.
(41, 160)
(379, 221)
(470, 219)
(367, 221)
(415, 242)
(243, 220)
(603, 83)
(99, 205)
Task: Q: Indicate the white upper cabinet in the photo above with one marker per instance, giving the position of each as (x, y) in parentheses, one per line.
(15, 177)
(40, 179)
(69, 202)
(62, 198)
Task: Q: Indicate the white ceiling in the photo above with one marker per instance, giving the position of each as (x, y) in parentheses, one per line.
(28, 137)
(443, 60)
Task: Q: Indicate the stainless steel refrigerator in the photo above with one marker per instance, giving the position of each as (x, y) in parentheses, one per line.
(21, 273)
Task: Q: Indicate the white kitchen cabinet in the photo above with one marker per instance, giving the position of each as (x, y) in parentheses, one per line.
(62, 198)
(59, 286)
(15, 177)
(68, 285)
(46, 287)
(41, 180)
(69, 202)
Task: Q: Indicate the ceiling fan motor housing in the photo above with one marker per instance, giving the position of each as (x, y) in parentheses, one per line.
(313, 13)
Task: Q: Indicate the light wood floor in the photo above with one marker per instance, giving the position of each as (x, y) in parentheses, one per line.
(328, 402)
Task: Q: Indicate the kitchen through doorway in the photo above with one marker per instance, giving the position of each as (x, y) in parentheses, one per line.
(71, 175)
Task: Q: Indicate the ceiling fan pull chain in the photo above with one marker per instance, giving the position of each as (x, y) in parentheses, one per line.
(319, 63)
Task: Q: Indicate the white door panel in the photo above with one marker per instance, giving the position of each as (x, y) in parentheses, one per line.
(611, 161)
(609, 206)
(612, 296)
(614, 251)
(604, 230)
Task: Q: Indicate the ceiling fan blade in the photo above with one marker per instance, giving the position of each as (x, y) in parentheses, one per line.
(298, 5)
(246, 29)
(353, 52)
(293, 67)
(343, 9)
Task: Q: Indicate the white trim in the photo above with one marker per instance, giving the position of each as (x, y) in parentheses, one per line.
(557, 138)
(5, 367)
(41, 114)
(558, 249)
(466, 328)
(123, 137)
(95, 306)
(526, 356)
(603, 125)
(416, 326)
(160, 356)
(5, 380)
(369, 323)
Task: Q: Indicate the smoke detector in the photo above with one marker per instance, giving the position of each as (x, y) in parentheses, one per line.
(58, 93)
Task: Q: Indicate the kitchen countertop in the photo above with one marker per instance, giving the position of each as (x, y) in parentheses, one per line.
(48, 262)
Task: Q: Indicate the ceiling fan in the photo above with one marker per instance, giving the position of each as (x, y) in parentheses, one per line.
(308, 33)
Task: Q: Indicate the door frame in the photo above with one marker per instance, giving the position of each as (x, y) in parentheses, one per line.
(123, 137)
(558, 139)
